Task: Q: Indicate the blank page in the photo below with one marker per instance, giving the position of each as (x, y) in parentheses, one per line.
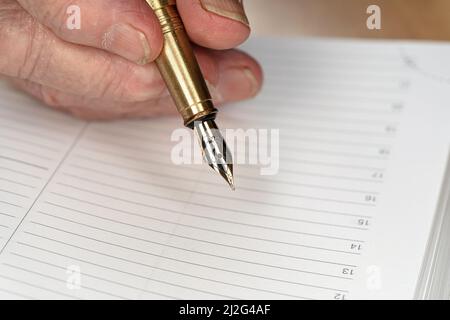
(99, 210)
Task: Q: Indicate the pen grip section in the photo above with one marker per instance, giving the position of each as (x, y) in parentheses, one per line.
(179, 67)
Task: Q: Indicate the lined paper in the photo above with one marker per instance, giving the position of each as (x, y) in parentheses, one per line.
(98, 210)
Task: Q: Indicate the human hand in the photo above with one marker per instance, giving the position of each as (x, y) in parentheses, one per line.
(104, 70)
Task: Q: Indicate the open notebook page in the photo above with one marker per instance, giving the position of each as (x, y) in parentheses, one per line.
(98, 210)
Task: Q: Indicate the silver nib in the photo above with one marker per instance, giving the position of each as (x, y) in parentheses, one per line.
(215, 150)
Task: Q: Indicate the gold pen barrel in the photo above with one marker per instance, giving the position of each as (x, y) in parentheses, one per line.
(179, 67)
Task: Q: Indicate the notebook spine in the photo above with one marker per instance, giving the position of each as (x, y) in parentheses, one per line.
(434, 280)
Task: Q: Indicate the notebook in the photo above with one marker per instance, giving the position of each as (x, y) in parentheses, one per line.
(353, 206)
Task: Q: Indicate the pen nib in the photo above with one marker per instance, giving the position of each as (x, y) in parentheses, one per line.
(227, 174)
(215, 150)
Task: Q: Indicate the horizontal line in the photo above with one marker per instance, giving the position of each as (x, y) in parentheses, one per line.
(199, 290)
(164, 126)
(240, 211)
(16, 294)
(11, 204)
(201, 240)
(121, 155)
(292, 105)
(60, 280)
(26, 152)
(109, 133)
(296, 138)
(327, 88)
(338, 154)
(190, 263)
(330, 176)
(336, 98)
(338, 165)
(34, 134)
(7, 215)
(359, 90)
(124, 146)
(185, 202)
(18, 183)
(4, 226)
(305, 185)
(316, 76)
(272, 62)
(15, 194)
(339, 142)
(24, 162)
(95, 277)
(337, 130)
(219, 208)
(358, 72)
(296, 109)
(246, 176)
(347, 81)
(20, 172)
(211, 194)
(138, 263)
(160, 197)
(359, 102)
(330, 61)
(243, 175)
(217, 184)
(42, 146)
(346, 56)
(172, 246)
(325, 55)
(199, 228)
(20, 120)
(38, 287)
(137, 159)
(277, 72)
(379, 87)
(306, 117)
(42, 113)
(152, 267)
(175, 167)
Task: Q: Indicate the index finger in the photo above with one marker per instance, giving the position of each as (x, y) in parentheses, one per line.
(126, 28)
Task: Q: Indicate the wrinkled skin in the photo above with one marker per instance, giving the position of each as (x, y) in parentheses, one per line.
(79, 72)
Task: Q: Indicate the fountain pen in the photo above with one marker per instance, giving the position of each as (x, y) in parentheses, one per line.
(187, 86)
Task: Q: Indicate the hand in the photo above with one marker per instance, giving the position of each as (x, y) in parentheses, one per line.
(104, 70)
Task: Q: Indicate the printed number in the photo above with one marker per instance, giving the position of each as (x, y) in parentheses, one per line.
(348, 271)
(363, 222)
(370, 198)
(378, 175)
(356, 247)
(340, 296)
(384, 152)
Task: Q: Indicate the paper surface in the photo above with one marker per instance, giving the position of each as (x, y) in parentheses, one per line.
(98, 210)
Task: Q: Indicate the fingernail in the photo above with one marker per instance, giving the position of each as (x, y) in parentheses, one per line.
(238, 83)
(233, 9)
(128, 42)
(215, 93)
